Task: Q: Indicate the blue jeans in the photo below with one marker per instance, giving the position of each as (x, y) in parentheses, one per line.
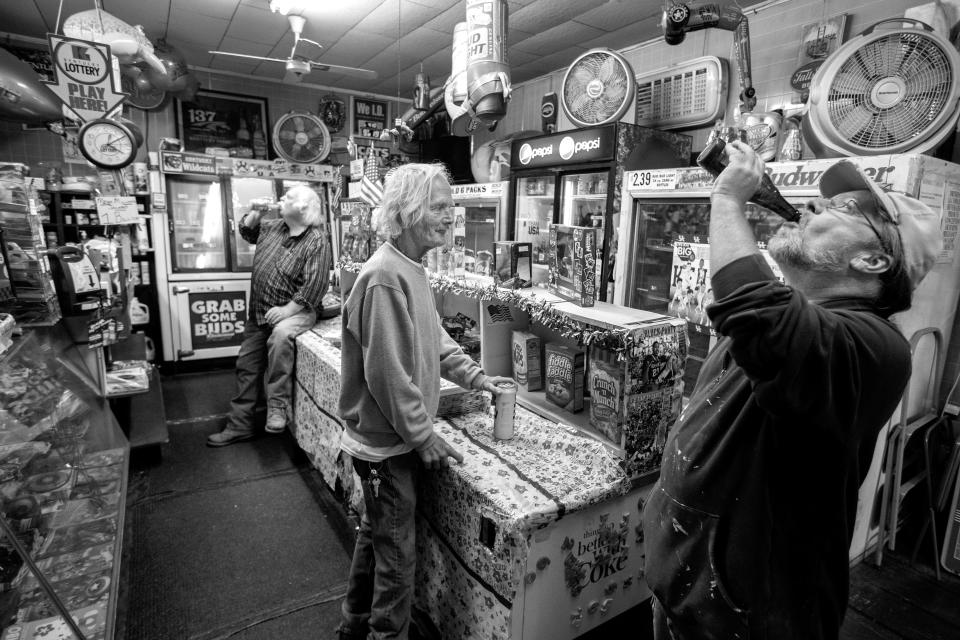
(380, 588)
(267, 353)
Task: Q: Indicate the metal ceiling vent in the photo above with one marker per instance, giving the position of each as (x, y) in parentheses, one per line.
(683, 96)
(299, 136)
(597, 88)
(892, 91)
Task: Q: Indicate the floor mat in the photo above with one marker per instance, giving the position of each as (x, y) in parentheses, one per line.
(193, 395)
(299, 621)
(216, 559)
(188, 464)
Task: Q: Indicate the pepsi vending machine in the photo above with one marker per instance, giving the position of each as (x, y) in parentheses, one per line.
(574, 178)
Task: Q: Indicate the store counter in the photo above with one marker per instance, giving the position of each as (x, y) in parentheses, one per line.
(534, 537)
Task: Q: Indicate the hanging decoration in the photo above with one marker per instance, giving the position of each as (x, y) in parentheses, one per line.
(541, 311)
(333, 111)
(488, 74)
(421, 91)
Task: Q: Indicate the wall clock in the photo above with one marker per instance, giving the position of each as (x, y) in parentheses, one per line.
(108, 144)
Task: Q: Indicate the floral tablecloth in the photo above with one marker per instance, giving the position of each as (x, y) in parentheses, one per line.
(477, 519)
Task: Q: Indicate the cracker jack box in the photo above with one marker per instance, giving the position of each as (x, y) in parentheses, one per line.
(527, 360)
(565, 368)
(573, 263)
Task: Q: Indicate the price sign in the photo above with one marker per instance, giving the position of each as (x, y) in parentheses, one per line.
(653, 180)
(117, 210)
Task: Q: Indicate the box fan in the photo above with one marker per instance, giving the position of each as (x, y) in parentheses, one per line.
(892, 91)
(597, 88)
(301, 137)
(681, 96)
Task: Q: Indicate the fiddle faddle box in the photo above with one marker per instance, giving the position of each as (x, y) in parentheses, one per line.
(527, 360)
(565, 376)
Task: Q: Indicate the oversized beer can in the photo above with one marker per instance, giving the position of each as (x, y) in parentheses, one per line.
(503, 405)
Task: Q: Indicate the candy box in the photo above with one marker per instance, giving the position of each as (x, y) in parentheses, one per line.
(573, 263)
(527, 360)
(565, 376)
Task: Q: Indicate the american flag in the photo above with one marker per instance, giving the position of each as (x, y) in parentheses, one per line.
(499, 313)
(371, 187)
(337, 191)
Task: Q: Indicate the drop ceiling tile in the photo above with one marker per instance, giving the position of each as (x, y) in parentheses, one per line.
(258, 25)
(193, 27)
(544, 14)
(243, 46)
(612, 16)
(445, 21)
(223, 9)
(632, 34)
(355, 52)
(557, 38)
(387, 21)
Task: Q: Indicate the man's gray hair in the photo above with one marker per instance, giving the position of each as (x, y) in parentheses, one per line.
(311, 210)
(407, 191)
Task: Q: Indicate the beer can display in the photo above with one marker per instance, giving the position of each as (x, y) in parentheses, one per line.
(503, 405)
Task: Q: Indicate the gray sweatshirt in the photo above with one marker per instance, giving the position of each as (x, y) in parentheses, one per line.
(393, 354)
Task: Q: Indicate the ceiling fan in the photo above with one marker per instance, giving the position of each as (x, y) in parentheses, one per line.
(299, 65)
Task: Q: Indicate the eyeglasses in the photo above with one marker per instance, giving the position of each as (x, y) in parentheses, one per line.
(441, 208)
(851, 207)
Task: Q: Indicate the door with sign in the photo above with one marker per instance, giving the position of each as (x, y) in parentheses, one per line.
(211, 315)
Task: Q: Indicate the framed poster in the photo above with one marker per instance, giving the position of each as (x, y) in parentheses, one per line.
(369, 117)
(231, 121)
(819, 39)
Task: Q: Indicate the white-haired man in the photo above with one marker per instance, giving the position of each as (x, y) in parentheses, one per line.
(291, 271)
(393, 356)
(748, 528)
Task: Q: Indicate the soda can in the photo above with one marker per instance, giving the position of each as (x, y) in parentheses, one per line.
(503, 406)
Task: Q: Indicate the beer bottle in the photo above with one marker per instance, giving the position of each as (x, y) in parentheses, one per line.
(767, 194)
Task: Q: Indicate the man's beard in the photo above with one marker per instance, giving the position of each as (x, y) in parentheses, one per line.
(787, 248)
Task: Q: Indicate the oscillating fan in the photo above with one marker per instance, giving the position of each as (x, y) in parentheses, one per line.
(597, 88)
(301, 137)
(893, 91)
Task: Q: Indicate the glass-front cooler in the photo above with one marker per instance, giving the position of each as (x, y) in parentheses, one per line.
(535, 213)
(197, 225)
(583, 198)
(242, 192)
(668, 267)
(485, 208)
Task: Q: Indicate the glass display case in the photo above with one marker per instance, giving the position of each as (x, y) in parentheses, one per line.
(63, 476)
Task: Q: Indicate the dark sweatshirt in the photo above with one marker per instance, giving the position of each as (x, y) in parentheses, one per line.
(748, 528)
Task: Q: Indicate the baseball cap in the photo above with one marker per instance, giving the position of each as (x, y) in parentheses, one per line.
(919, 226)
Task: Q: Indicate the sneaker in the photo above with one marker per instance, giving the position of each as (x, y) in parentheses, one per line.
(276, 421)
(228, 436)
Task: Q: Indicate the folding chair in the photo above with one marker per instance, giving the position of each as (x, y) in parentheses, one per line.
(895, 486)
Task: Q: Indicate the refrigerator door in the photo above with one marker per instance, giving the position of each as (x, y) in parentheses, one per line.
(668, 269)
(242, 191)
(197, 226)
(535, 214)
(209, 317)
(583, 198)
(480, 233)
